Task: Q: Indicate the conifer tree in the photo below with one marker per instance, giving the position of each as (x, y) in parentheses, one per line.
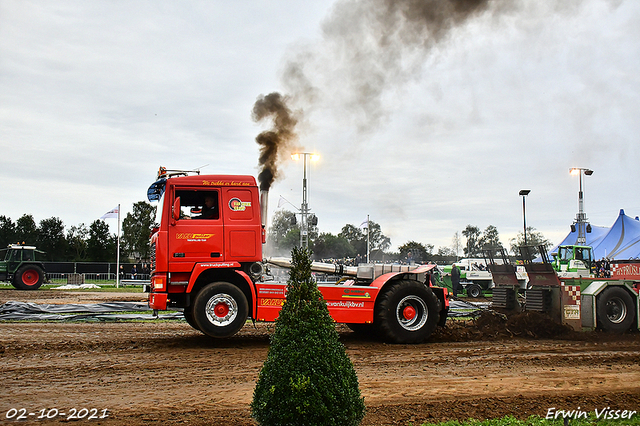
(307, 379)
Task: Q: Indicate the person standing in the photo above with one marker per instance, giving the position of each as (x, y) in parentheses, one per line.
(455, 279)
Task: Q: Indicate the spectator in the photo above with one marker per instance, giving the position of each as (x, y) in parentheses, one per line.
(455, 280)
(134, 272)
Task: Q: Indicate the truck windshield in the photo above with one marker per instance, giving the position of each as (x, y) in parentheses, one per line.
(159, 208)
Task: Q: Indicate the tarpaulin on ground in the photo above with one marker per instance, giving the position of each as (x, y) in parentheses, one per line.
(109, 311)
(460, 308)
(621, 241)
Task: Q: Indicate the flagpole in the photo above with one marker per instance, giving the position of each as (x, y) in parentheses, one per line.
(118, 252)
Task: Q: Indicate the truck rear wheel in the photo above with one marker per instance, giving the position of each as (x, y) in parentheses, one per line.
(474, 290)
(615, 310)
(28, 277)
(220, 309)
(407, 312)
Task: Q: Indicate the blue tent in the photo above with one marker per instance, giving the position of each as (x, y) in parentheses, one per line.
(620, 242)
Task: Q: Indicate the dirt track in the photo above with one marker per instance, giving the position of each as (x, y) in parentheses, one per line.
(171, 374)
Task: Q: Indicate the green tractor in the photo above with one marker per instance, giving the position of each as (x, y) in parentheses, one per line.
(19, 266)
(573, 261)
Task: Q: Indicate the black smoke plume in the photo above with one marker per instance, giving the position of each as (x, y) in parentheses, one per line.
(273, 142)
(369, 48)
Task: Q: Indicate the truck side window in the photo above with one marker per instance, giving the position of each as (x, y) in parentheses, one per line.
(199, 204)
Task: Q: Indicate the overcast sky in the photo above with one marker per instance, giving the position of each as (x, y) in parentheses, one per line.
(96, 95)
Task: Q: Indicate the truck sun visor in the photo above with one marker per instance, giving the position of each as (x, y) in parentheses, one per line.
(156, 189)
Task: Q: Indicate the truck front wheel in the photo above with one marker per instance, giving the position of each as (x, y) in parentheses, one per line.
(188, 316)
(220, 309)
(28, 277)
(615, 310)
(407, 312)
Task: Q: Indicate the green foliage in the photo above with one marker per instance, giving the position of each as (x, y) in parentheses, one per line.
(478, 241)
(284, 233)
(7, 231)
(472, 234)
(307, 379)
(331, 246)
(136, 229)
(77, 242)
(540, 421)
(51, 238)
(490, 238)
(26, 230)
(101, 245)
(419, 252)
(534, 238)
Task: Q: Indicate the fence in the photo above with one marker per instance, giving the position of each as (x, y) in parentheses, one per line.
(93, 272)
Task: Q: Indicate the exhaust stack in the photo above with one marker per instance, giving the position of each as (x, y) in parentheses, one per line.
(264, 207)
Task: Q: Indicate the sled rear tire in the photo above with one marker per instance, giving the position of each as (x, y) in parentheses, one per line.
(406, 312)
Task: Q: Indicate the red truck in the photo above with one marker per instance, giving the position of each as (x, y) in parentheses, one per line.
(207, 260)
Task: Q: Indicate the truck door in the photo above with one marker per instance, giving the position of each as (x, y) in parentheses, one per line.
(197, 235)
(242, 226)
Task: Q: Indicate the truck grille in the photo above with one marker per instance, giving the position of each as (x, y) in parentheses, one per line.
(153, 257)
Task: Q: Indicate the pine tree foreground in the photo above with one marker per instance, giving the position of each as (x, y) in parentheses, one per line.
(307, 379)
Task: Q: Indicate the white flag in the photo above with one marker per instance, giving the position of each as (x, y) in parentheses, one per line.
(281, 201)
(365, 224)
(110, 214)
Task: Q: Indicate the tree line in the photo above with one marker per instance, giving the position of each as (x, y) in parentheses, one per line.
(351, 242)
(82, 243)
(94, 242)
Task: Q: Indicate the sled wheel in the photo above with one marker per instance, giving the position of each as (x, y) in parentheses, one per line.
(407, 312)
(474, 290)
(615, 310)
(188, 316)
(220, 309)
(29, 277)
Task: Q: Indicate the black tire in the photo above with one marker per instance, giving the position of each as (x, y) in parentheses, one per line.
(406, 312)
(615, 310)
(28, 277)
(220, 309)
(188, 316)
(474, 290)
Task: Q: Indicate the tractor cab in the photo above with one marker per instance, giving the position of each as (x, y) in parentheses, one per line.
(573, 260)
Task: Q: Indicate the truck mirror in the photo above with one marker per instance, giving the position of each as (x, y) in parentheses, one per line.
(175, 212)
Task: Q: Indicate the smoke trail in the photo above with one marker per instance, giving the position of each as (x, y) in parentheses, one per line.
(368, 48)
(273, 142)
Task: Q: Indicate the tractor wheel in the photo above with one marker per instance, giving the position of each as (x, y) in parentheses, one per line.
(188, 316)
(28, 277)
(406, 312)
(474, 290)
(220, 309)
(615, 310)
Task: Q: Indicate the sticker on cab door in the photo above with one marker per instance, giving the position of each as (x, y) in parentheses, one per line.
(238, 206)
